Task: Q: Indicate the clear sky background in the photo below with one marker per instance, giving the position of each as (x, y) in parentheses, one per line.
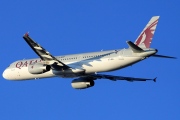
(76, 26)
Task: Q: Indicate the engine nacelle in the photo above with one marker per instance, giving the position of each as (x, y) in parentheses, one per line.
(82, 83)
(39, 68)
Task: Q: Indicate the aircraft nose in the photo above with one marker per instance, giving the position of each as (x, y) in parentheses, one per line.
(5, 76)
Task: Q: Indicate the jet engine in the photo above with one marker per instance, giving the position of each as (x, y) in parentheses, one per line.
(39, 68)
(82, 83)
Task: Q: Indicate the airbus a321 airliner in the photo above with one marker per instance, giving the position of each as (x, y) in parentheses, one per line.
(84, 68)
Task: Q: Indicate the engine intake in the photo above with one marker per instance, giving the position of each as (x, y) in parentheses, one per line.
(82, 83)
(39, 68)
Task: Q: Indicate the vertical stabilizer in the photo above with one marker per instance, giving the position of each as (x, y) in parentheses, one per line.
(145, 38)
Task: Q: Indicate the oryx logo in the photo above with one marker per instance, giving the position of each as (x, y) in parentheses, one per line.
(145, 38)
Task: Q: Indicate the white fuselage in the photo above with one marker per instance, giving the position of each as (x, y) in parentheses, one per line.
(89, 62)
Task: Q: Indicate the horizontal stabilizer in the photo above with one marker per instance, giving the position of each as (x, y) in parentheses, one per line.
(162, 56)
(115, 78)
(134, 47)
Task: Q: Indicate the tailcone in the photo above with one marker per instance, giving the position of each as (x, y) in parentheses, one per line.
(149, 52)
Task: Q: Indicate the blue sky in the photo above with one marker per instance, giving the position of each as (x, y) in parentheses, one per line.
(75, 26)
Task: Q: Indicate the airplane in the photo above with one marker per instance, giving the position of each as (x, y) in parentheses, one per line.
(85, 68)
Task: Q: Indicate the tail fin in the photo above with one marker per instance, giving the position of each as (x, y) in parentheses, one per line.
(145, 38)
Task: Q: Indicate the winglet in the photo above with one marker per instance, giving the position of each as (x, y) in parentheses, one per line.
(134, 47)
(155, 79)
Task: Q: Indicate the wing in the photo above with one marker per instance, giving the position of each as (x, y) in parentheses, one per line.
(115, 78)
(42, 53)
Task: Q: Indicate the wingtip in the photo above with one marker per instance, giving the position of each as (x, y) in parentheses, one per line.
(155, 79)
(26, 34)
